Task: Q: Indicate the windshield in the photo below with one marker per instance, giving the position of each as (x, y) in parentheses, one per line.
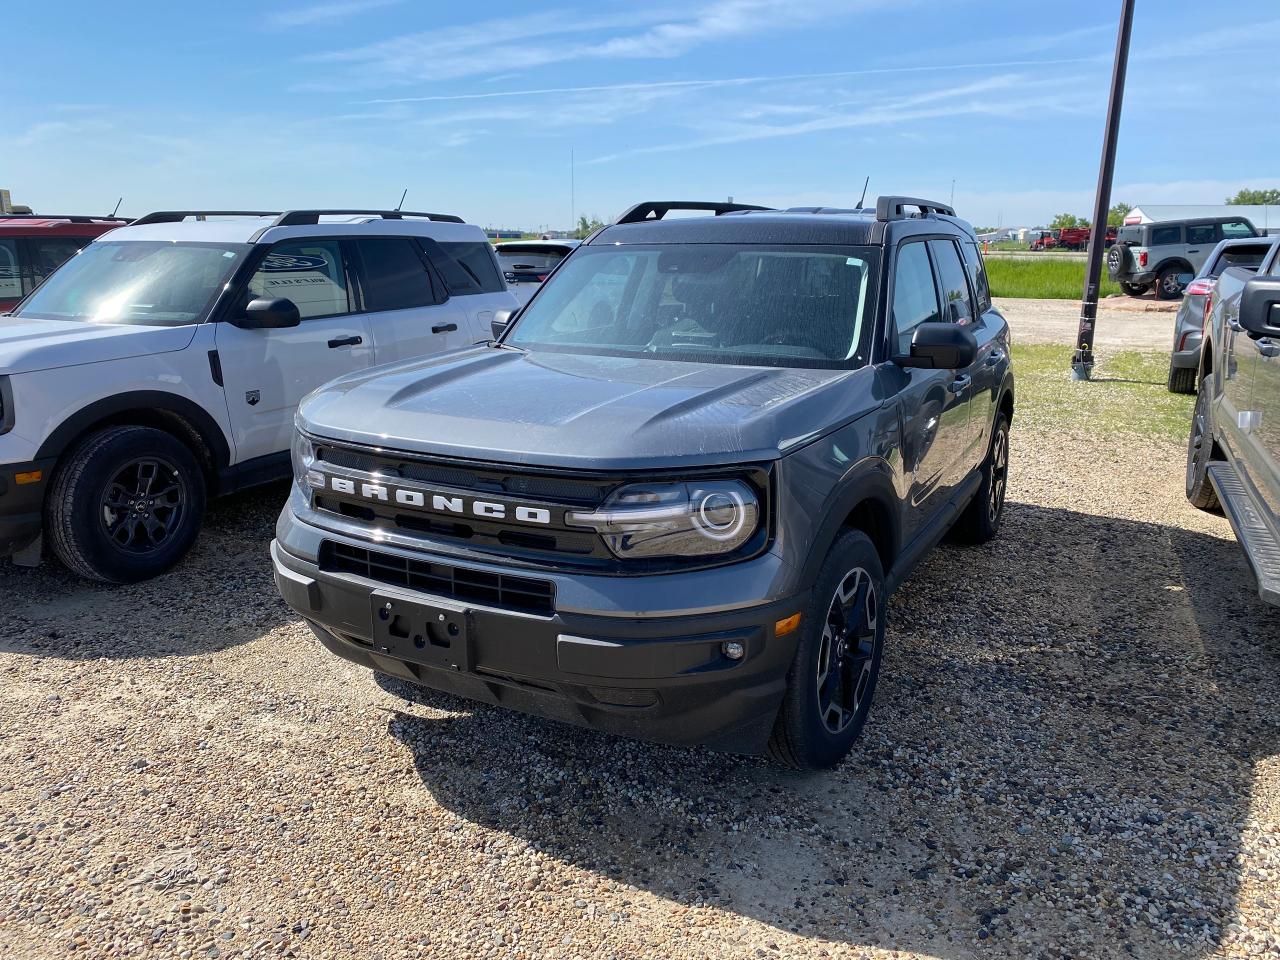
(151, 283)
(783, 306)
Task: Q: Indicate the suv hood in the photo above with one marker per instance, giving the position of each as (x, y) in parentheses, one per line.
(28, 344)
(592, 412)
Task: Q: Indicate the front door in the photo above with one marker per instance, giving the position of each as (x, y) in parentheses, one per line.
(1262, 445)
(267, 372)
(934, 403)
(959, 308)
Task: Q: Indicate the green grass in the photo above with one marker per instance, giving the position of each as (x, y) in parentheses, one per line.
(1128, 394)
(1049, 279)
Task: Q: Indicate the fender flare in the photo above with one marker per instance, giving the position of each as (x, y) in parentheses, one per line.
(871, 479)
(153, 405)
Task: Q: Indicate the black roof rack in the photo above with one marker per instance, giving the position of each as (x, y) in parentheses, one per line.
(73, 217)
(891, 208)
(177, 216)
(657, 209)
(293, 218)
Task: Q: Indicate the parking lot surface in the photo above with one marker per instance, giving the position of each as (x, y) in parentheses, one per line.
(1073, 752)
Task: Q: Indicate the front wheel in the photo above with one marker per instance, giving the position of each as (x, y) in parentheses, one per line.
(125, 505)
(1200, 452)
(833, 675)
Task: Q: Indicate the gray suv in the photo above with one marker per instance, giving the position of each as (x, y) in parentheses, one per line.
(672, 498)
(1164, 254)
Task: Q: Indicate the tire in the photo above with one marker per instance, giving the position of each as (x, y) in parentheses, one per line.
(819, 721)
(980, 521)
(1200, 453)
(1182, 379)
(100, 519)
(1119, 261)
(1167, 285)
(1134, 289)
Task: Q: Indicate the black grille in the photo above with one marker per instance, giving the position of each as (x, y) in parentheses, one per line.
(441, 579)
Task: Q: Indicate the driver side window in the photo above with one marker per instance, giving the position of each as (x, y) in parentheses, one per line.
(915, 295)
(311, 273)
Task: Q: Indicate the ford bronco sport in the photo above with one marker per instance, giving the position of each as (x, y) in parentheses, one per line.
(672, 498)
(1164, 254)
(164, 362)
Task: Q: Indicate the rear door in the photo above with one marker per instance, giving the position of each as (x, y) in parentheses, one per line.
(1265, 405)
(471, 274)
(992, 333)
(267, 372)
(409, 312)
(1201, 239)
(934, 415)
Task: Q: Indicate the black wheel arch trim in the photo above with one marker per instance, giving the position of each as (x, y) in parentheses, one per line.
(148, 403)
(871, 479)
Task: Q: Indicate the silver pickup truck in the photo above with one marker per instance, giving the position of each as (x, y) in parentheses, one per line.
(1233, 453)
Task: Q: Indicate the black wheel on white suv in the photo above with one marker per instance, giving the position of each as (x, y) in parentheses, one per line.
(125, 505)
(833, 675)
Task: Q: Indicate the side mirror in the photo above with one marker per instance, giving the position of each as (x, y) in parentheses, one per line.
(1260, 307)
(269, 313)
(940, 346)
(501, 320)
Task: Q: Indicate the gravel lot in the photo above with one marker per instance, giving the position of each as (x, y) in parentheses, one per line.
(1124, 323)
(1073, 752)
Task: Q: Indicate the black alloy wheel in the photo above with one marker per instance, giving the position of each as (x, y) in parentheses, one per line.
(847, 650)
(143, 504)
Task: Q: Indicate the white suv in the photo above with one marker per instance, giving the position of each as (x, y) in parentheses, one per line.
(164, 362)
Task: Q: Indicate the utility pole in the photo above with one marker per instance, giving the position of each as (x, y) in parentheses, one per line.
(1082, 361)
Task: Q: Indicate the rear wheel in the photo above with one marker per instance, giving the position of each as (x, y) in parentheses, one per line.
(1182, 379)
(126, 505)
(1134, 289)
(1200, 453)
(833, 675)
(980, 521)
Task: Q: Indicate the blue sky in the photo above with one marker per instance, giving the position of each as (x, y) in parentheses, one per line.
(477, 108)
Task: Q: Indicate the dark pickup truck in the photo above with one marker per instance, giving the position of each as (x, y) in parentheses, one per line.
(671, 499)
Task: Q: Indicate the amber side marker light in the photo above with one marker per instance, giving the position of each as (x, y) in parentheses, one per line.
(789, 625)
(31, 476)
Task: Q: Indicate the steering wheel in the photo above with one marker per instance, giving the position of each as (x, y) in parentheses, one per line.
(795, 337)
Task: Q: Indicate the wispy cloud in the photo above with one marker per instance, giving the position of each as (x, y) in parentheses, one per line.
(559, 36)
(321, 13)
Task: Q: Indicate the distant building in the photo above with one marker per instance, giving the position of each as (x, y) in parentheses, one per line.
(1265, 218)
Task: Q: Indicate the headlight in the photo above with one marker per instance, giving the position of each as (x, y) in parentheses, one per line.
(675, 519)
(304, 455)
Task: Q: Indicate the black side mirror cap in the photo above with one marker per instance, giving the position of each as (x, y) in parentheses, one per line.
(501, 320)
(940, 346)
(269, 313)
(1260, 307)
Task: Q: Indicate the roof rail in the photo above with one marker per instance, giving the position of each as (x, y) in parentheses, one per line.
(73, 217)
(891, 208)
(293, 218)
(657, 209)
(177, 216)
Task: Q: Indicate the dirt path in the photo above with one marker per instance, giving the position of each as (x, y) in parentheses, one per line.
(1131, 326)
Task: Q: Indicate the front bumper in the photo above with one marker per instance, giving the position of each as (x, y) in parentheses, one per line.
(616, 669)
(21, 504)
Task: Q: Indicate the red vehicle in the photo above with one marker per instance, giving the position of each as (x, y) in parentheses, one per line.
(32, 246)
(1045, 240)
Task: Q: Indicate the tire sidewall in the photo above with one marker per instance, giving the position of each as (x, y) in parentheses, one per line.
(817, 745)
(101, 461)
(1162, 280)
(1198, 467)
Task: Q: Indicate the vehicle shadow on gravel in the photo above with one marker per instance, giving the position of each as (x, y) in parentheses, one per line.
(222, 594)
(1059, 762)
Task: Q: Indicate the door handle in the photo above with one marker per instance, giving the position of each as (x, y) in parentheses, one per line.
(1193, 251)
(352, 341)
(994, 357)
(444, 328)
(960, 384)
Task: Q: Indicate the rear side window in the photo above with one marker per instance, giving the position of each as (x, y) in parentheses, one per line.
(915, 298)
(955, 281)
(311, 273)
(1202, 233)
(977, 275)
(1250, 257)
(10, 275)
(1237, 228)
(1162, 236)
(394, 276)
(477, 260)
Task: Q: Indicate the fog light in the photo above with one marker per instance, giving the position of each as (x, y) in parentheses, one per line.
(733, 649)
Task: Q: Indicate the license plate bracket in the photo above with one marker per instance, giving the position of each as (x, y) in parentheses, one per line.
(432, 633)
